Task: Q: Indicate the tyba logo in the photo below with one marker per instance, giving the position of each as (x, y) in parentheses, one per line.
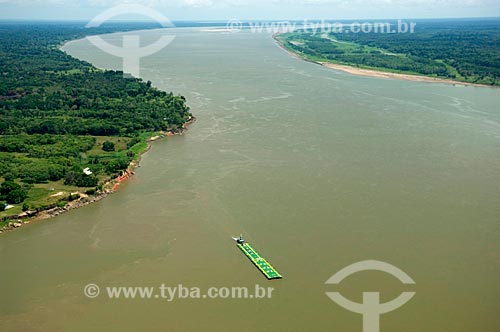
(131, 51)
(371, 308)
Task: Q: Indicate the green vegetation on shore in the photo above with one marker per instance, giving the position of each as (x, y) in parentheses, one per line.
(60, 115)
(466, 51)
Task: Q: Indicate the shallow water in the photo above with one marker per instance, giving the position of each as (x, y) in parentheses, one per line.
(319, 169)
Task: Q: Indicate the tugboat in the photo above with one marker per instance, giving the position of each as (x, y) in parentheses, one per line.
(240, 239)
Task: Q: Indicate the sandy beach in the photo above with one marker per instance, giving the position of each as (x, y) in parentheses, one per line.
(383, 74)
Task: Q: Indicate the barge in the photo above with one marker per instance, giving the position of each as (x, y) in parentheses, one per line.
(263, 265)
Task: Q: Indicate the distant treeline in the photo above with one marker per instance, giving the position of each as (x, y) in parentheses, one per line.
(464, 50)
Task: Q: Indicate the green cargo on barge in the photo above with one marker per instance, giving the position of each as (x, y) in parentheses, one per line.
(267, 269)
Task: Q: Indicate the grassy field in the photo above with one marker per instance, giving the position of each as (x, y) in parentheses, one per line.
(42, 195)
(120, 144)
(54, 192)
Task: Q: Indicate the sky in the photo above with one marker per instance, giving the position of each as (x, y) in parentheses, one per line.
(256, 9)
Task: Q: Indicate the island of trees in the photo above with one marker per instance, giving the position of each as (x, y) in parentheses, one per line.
(60, 116)
(461, 50)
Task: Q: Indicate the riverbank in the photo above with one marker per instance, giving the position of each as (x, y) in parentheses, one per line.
(108, 187)
(375, 72)
(83, 158)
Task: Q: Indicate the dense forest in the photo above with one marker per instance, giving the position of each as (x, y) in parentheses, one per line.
(463, 50)
(56, 112)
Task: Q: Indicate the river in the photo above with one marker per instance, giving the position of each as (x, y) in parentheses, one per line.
(319, 169)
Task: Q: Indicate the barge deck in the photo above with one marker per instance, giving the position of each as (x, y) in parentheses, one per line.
(263, 265)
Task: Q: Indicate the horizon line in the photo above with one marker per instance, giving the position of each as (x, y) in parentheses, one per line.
(246, 20)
